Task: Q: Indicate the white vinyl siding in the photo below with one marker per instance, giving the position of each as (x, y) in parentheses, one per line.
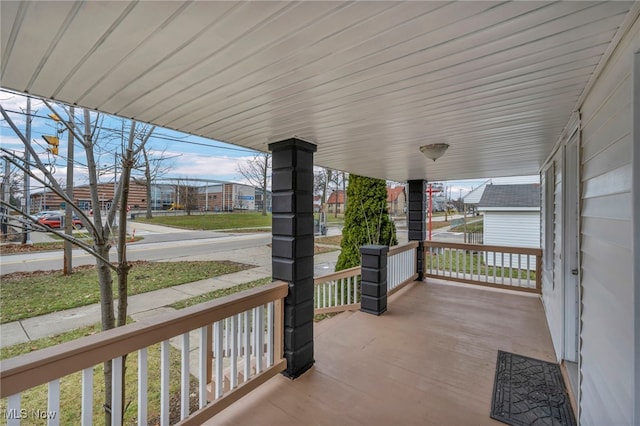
(607, 333)
(515, 229)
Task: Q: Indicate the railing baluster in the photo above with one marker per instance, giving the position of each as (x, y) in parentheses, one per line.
(270, 333)
(13, 409)
(355, 289)
(510, 269)
(325, 291)
(53, 402)
(116, 391)
(202, 367)
(184, 377)
(348, 290)
(247, 346)
(502, 262)
(495, 267)
(86, 406)
(143, 386)
(164, 383)
(335, 293)
(258, 315)
(233, 380)
(520, 270)
(218, 358)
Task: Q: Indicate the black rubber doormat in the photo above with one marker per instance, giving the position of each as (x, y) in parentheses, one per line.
(529, 391)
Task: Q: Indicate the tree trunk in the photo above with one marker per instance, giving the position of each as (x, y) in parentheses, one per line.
(108, 319)
(147, 177)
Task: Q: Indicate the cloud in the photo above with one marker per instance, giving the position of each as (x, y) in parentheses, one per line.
(14, 102)
(207, 167)
(11, 143)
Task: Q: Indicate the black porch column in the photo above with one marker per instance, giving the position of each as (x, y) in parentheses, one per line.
(417, 220)
(292, 248)
(374, 279)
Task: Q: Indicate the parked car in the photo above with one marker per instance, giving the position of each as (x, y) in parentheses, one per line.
(43, 213)
(55, 220)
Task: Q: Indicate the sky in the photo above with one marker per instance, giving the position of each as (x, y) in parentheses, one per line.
(189, 156)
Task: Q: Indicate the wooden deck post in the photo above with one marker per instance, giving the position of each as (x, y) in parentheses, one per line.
(292, 248)
(416, 220)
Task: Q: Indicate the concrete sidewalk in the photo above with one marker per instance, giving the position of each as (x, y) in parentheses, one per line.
(154, 302)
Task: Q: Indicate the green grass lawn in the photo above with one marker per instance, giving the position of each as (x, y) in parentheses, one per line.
(477, 226)
(25, 295)
(220, 293)
(213, 221)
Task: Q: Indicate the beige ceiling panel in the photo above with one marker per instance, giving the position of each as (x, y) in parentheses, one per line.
(37, 30)
(369, 82)
(135, 31)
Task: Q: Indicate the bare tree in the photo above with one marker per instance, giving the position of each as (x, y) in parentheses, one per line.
(186, 196)
(100, 230)
(338, 180)
(321, 179)
(154, 165)
(257, 171)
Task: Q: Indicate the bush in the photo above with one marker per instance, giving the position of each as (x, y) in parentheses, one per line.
(366, 219)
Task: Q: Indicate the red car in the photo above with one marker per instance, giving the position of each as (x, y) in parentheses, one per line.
(55, 221)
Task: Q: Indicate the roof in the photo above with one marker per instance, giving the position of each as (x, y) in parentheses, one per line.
(523, 196)
(393, 193)
(336, 197)
(368, 82)
(474, 196)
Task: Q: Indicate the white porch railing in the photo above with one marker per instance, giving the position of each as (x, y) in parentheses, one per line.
(337, 292)
(401, 266)
(514, 268)
(239, 346)
(340, 291)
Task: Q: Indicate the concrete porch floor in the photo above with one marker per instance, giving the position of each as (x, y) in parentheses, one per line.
(429, 360)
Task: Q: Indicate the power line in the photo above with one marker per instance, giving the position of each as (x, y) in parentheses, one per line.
(154, 136)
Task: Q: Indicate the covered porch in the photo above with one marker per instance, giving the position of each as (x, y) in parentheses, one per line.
(430, 359)
(514, 88)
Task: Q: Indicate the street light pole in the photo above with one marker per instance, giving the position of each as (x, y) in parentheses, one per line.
(68, 219)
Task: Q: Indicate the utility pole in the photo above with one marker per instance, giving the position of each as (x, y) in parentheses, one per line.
(68, 217)
(26, 206)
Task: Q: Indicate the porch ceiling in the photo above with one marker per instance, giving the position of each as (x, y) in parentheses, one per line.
(368, 82)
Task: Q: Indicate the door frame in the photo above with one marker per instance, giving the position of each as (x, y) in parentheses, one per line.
(571, 247)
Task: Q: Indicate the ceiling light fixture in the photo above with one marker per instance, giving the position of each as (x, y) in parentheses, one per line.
(434, 150)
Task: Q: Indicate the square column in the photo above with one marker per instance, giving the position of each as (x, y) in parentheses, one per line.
(417, 219)
(374, 279)
(292, 246)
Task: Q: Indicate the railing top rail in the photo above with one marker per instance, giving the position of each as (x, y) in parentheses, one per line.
(351, 272)
(21, 373)
(483, 247)
(402, 247)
